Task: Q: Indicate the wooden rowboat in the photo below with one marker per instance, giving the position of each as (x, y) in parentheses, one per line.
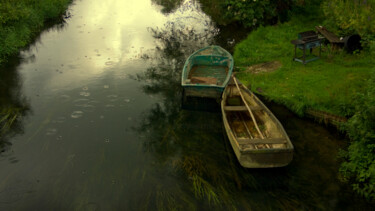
(257, 137)
(206, 72)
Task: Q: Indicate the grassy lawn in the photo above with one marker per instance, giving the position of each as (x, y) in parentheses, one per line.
(329, 84)
(22, 20)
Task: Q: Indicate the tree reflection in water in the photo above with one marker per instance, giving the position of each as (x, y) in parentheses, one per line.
(191, 146)
(168, 5)
(13, 107)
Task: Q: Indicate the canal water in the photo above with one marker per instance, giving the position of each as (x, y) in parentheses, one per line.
(102, 126)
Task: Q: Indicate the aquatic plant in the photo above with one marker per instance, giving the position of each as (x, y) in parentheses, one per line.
(8, 117)
(203, 189)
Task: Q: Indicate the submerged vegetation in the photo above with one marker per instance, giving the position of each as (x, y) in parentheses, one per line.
(8, 118)
(22, 20)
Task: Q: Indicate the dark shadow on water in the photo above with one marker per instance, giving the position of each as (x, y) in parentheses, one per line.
(13, 106)
(200, 104)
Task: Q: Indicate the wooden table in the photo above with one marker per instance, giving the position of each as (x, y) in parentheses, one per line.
(335, 41)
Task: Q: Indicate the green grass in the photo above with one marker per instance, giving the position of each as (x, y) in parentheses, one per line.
(338, 83)
(329, 84)
(22, 20)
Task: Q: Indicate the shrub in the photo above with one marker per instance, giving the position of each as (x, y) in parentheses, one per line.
(359, 164)
(352, 17)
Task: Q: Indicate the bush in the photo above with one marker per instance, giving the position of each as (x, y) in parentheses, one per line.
(352, 17)
(253, 13)
(359, 164)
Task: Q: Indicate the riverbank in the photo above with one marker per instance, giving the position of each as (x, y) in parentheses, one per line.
(338, 83)
(329, 84)
(22, 20)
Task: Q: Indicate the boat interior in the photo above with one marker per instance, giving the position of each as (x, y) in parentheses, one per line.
(244, 128)
(208, 70)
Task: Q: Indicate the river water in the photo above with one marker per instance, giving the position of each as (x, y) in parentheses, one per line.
(103, 127)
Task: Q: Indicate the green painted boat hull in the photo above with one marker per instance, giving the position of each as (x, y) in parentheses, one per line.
(201, 91)
(206, 72)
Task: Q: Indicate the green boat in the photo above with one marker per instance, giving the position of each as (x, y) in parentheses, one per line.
(206, 72)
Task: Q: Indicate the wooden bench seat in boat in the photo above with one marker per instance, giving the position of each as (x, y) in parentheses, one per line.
(203, 80)
(241, 108)
(261, 141)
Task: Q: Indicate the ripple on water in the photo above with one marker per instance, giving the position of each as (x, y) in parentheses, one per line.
(51, 131)
(86, 94)
(106, 86)
(112, 98)
(81, 101)
(64, 98)
(88, 108)
(76, 114)
(59, 120)
(109, 63)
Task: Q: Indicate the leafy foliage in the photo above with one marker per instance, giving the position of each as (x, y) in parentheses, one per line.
(251, 13)
(359, 165)
(352, 17)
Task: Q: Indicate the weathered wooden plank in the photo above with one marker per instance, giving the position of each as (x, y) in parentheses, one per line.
(248, 108)
(241, 108)
(331, 37)
(203, 80)
(261, 141)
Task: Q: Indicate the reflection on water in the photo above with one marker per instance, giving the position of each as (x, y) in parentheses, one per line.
(107, 129)
(13, 107)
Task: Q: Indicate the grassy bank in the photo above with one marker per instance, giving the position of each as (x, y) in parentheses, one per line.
(22, 20)
(329, 84)
(337, 83)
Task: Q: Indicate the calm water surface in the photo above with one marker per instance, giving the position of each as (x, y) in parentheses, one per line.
(104, 128)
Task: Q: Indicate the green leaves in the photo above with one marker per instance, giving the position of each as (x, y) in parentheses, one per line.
(359, 164)
(251, 12)
(351, 17)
